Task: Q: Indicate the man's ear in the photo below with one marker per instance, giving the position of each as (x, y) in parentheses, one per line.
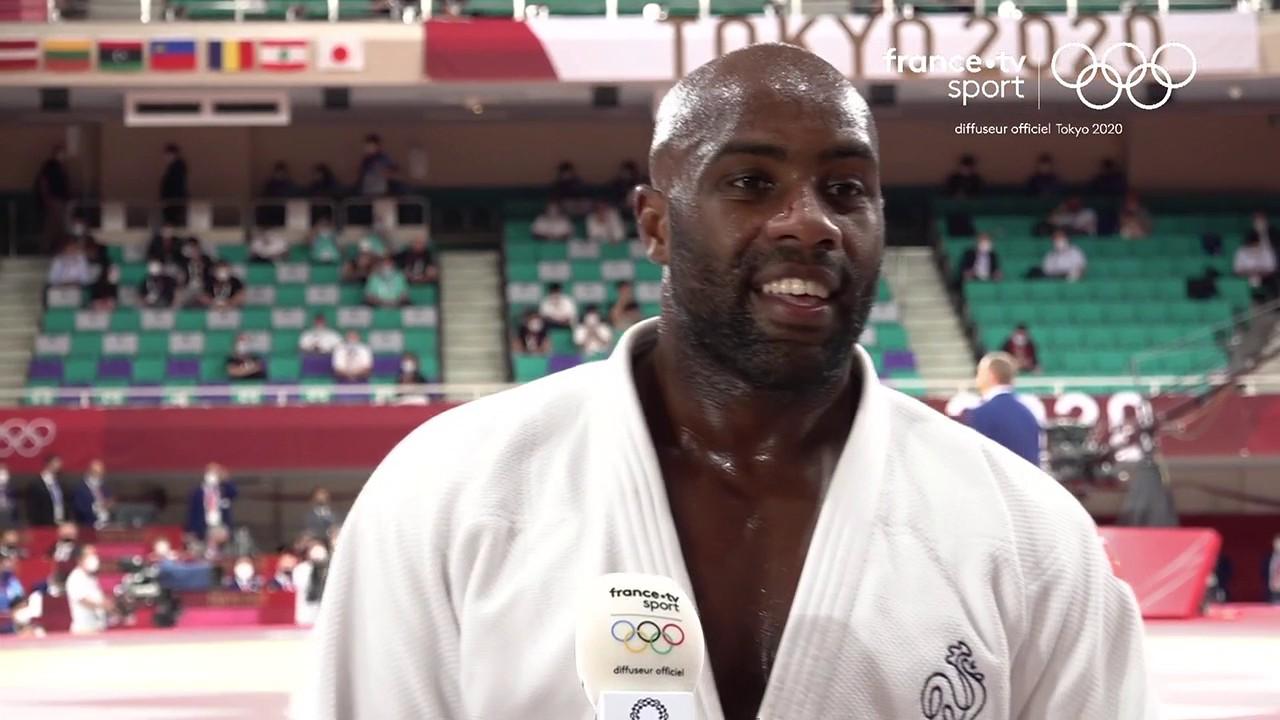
(651, 221)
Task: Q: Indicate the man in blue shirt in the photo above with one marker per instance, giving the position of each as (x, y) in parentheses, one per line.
(1001, 416)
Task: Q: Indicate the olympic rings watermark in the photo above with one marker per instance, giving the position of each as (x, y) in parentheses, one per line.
(1124, 86)
(646, 635)
(26, 438)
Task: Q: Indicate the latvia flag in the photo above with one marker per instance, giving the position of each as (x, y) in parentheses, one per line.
(19, 55)
(282, 55)
(339, 54)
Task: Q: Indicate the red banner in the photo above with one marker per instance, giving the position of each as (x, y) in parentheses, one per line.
(1166, 567)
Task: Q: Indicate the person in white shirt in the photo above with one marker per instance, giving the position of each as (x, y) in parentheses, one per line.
(1065, 260)
(352, 359)
(319, 339)
(557, 309)
(70, 266)
(604, 224)
(552, 224)
(90, 607)
(1255, 261)
(1072, 216)
(593, 335)
(268, 245)
(741, 445)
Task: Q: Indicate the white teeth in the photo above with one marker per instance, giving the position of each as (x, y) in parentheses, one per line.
(796, 286)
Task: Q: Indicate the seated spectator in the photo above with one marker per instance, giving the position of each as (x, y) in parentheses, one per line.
(387, 287)
(193, 274)
(104, 293)
(90, 607)
(352, 360)
(157, 289)
(209, 509)
(980, 262)
(410, 370)
(604, 224)
(1044, 180)
(165, 246)
(552, 224)
(531, 337)
(268, 245)
(91, 502)
(1023, 349)
(622, 187)
(323, 242)
(319, 339)
(625, 311)
(282, 581)
(95, 253)
(1135, 221)
(416, 262)
(1073, 217)
(12, 597)
(309, 580)
(570, 190)
(279, 184)
(224, 290)
(10, 541)
(1260, 229)
(64, 553)
(368, 254)
(1110, 180)
(69, 267)
(558, 309)
(244, 576)
(324, 184)
(243, 364)
(1255, 261)
(965, 180)
(1065, 261)
(593, 335)
(321, 519)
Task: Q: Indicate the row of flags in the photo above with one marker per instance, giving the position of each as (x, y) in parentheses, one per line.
(180, 55)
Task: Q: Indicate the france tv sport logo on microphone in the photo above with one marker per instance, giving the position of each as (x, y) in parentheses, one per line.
(1110, 75)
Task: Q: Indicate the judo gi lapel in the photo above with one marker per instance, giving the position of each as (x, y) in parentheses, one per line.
(640, 514)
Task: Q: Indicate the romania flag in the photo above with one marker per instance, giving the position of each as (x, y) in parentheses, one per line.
(230, 55)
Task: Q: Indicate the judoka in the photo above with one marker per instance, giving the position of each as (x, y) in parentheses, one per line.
(852, 553)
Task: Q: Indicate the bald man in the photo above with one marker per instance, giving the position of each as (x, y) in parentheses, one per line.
(852, 554)
(1002, 416)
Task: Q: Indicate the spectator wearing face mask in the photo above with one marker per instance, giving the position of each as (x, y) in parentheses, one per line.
(1135, 220)
(1065, 261)
(162, 552)
(194, 273)
(319, 339)
(166, 246)
(387, 287)
(410, 370)
(243, 363)
(224, 289)
(90, 607)
(416, 262)
(1023, 349)
(604, 224)
(322, 243)
(553, 224)
(8, 500)
(11, 544)
(980, 262)
(210, 505)
(91, 502)
(593, 335)
(531, 337)
(63, 553)
(244, 576)
(1073, 217)
(370, 251)
(321, 518)
(70, 268)
(558, 310)
(157, 289)
(1260, 228)
(309, 580)
(268, 245)
(282, 581)
(352, 360)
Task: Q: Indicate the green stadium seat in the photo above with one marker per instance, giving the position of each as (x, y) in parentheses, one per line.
(189, 319)
(1088, 313)
(615, 251)
(213, 368)
(153, 344)
(522, 272)
(86, 344)
(552, 251)
(1100, 337)
(284, 341)
(255, 318)
(258, 274)
(80, 370)
(1078, 363)
(284, 368)
(291, 295)
(233, 254)
(386, 318)
(126, 319)
(60, 320)
(1121, 312)
(149, 370)
(423, 294)
(132, 274)
(528, 367)
(350, 295)
(987, 314)
(648, 272)
(585, 271)
(891, 337)
(521, 252)
(562, 342)
(324, 274)
(426, 343)
(980, 292)
(219, 343)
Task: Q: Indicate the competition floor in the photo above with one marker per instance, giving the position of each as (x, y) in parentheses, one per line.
(1223, 667)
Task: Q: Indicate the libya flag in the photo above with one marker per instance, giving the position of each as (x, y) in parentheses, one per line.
(120, 55)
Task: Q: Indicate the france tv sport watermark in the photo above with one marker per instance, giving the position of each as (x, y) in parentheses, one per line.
(1098, 68)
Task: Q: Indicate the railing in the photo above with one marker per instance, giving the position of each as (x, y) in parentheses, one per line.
(283, 395)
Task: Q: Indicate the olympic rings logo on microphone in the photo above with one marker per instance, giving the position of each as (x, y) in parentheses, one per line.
(1124, 85)
(26, 438)
(647, 635)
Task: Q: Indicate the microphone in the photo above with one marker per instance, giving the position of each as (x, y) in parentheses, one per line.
(639, 648)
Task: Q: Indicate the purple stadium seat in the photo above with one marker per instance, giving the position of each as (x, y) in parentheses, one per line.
(562, 362)
(386, 365)
(115, 369)
(183, 368)
(899, 360)
(45, 369)
(317, 366)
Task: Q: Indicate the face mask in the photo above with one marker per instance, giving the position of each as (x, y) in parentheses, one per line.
(1019, 339)
(113, 275)
(92, 563)
(318, 554)
(211, 478)
(535, 325)
(224, 275)
(1060, 246)
(189, 251)
(78, 229)
(162, 549)
(4, 477)
(591, 319)
(1260, 225)
(244, 572)
(154, 269)
(242, 348)
(408, 366)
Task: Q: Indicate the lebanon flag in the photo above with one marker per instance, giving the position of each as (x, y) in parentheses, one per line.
(282, 54)
(339, 54)
(19, 55)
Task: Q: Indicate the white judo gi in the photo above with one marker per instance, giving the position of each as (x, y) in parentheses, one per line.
(945, 574)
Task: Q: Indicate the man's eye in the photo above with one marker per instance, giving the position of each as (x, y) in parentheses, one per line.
(847, 189)
(751, 183)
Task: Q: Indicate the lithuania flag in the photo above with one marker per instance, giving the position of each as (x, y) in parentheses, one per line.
(120, 55)
(66, 55)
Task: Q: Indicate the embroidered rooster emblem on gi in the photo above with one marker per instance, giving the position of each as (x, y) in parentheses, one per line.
(944, 699)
